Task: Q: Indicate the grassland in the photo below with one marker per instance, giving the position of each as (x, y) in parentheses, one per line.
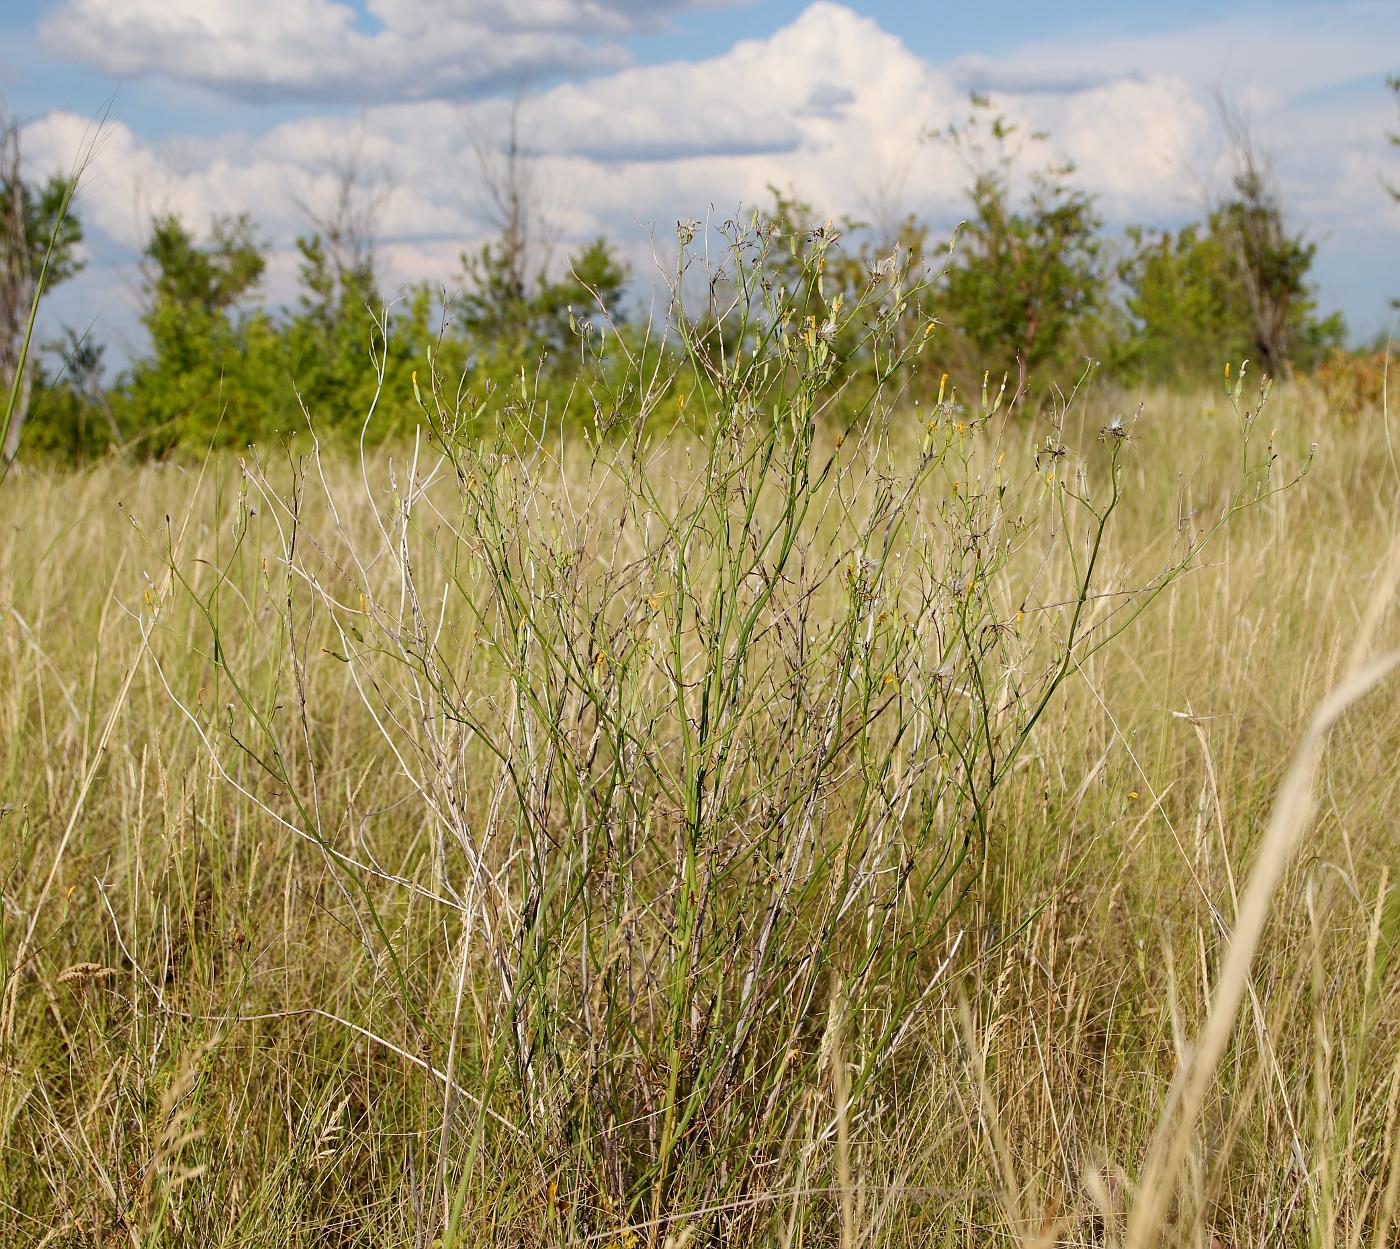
(786, 833)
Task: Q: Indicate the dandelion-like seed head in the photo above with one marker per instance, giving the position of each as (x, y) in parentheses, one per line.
(886, 265)
(1115, 431)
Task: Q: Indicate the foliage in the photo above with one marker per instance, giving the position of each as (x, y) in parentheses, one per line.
(71, 413)
(1352, 383)
(1393, 82)
(1270, 264)
(508, 311)
(40, 237)
(226, 1051)
(344, 345)
(1027, 291)
(1230, 288)
(1027, 271)
(214, 374)
(1187, 313)
(50, 229)
(837, 283)
(702, 745)
(224, 370)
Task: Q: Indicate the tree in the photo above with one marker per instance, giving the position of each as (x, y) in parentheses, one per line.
(1027, 270)
(40, 238)
(1191, 304)
(71, 413)
(211, 355)
(1269, 260)
(208, 279)
(1393, 82)
(504, 317)
(855, 256)
(340, 320)
(1232, 286)
(1186, 310)
(511, 302)
(345, 224)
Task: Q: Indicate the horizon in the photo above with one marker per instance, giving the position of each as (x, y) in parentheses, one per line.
(645, 114)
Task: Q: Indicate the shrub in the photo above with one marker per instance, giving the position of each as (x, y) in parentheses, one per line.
(1351, 382)
(698, 738)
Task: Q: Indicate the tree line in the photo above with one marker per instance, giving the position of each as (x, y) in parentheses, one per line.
(1030, 288)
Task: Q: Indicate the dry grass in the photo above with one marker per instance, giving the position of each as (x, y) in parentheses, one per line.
(262, 996)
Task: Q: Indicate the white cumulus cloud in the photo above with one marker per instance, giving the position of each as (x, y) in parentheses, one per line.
(831, 104)
(325, 50)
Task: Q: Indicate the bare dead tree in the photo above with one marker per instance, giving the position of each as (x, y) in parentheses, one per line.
(348, 218)
(513, 200)
(1271, 260)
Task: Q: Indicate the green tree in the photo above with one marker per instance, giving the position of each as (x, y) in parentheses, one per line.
(855, 258)
(40, 242)
(1271, 263)
(1227, 288)
(508, 310)
(1393, 82)
(1027, 271)
(215, 371)
(71, 416)
(1235, 285)
(1186, 311)
(513, 307)
(330, 334)
(791, 235)
(344, 335)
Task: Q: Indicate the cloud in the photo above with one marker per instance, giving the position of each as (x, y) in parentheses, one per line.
(1048, 76)
(1291, 53)
(1133, 142)
(831, 105)
(327, 51)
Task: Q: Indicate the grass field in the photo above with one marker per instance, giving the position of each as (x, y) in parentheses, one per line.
(785, 832)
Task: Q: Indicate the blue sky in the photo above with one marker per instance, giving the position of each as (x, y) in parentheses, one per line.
(648, 110)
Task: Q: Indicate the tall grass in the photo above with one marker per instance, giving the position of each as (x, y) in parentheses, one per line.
(793, 827)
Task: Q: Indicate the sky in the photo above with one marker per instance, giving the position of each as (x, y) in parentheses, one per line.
(644, 112)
